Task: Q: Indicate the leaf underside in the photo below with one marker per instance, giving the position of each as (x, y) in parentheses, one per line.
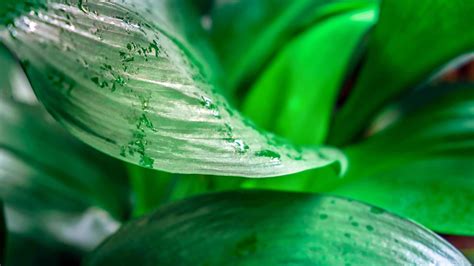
(122, 77)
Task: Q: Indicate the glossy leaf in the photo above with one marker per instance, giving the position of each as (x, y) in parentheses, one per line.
(410, 43)
(127, 83)
(422, 166)
(273, 228)
(260, 28)
(295, 96)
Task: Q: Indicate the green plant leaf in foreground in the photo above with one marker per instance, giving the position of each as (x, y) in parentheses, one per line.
(118, 77)
(410, 42)
(422, 166)
(273, 228)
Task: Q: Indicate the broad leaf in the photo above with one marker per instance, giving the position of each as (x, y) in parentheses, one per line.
(411, 41)
(127, 83)
(422, 166)
(273, 228)
(295, 96)
(258, 29)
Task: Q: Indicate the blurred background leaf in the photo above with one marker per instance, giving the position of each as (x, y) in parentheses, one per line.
(296, 94)
(3, 234)
(271, 228)
(259, 29)
(56, 191)
(61, 197)
(411, 41)
(421, 166)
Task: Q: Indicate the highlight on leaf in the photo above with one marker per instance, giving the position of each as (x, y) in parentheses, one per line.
(128, 83)
(273, 228)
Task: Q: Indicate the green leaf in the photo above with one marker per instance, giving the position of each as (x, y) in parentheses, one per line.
(411, 41)
(260, 28)
(421, 167)
(53, 186)
(295, 96)
(13, 81)
(3, 234)
(121, 76)
(273, 228)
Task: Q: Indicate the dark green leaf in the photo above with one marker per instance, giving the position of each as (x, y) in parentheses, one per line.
(422, 166)
(273, 228)
(53, 186)
(3, 234)
(122, 77)
(411, 41)
(13, 81)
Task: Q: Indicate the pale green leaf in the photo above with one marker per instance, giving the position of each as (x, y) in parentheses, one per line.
(121, 76)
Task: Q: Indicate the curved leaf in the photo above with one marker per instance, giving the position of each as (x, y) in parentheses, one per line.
(295, 96)
(260, 28)
(427, 157)
(273, 228)
(411, 40)
(127, 83)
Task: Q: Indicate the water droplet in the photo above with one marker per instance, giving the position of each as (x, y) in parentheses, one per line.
(126, 57)
(145, 121)
(268, 153)
(370, 228)
(240, 145)
(207, 102)
(347, 235)
(323, 216)
(355, 224)
(376, 210)
(81, 5)
(97, 82)
(146, 161)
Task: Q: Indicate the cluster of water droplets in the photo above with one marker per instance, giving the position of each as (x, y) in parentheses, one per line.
(131, 88)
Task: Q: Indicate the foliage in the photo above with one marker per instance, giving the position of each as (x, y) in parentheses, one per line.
(175, 98)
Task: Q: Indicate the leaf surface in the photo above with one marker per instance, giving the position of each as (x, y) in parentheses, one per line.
(296, 94)
(128, 83)
(273, 228)
(411, 41)
(422, 166)
(259, 29)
